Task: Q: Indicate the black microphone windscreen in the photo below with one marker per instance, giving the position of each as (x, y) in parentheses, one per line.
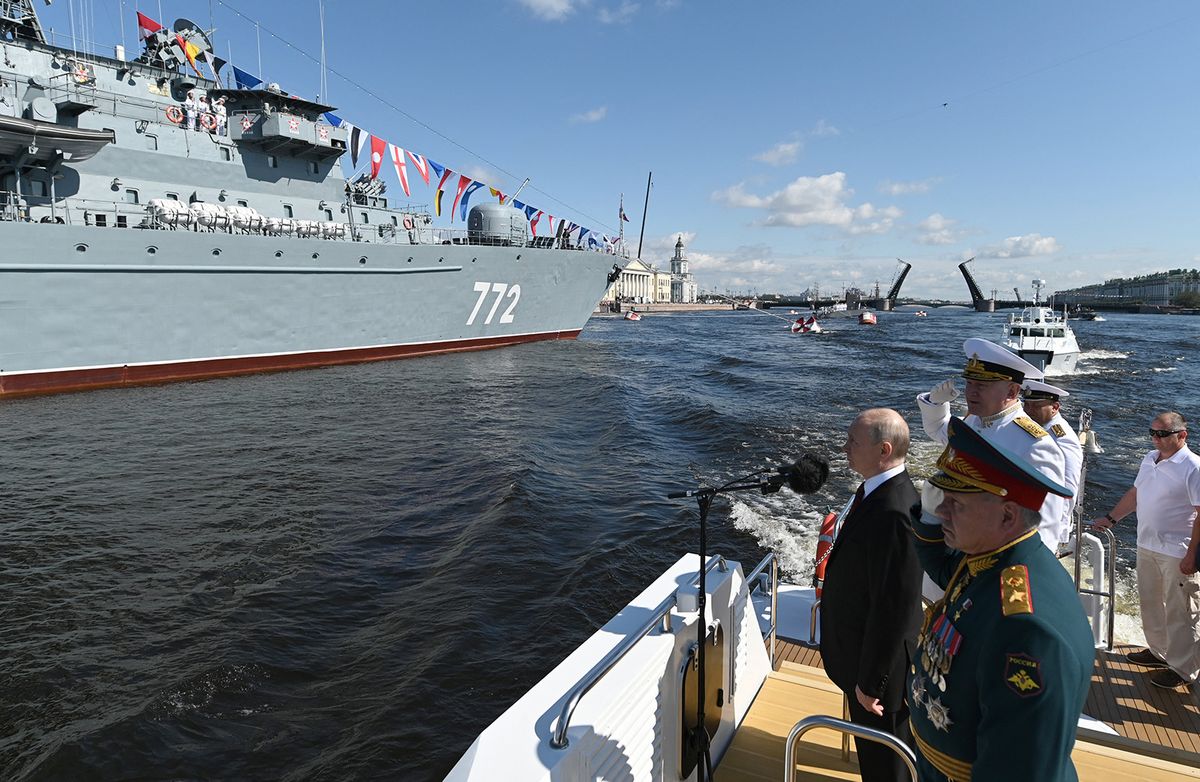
(808, 474)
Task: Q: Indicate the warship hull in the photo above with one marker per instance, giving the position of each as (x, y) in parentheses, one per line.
(86, 307)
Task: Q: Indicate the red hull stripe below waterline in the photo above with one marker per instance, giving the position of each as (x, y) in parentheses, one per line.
(56, 381)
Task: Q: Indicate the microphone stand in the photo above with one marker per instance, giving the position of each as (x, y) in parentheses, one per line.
(704, 498)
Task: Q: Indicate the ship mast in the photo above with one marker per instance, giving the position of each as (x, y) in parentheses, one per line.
(19, 18)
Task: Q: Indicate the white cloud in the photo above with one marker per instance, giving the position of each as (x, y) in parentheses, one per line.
(781, 154)
(938, 229)
(814, 201)
(481, 174)
(1025, 246)
(908, 188)
(595, 115)
(550, 10)
(619, 15)
(823, 128)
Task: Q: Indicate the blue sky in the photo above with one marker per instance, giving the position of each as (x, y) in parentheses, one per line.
(792, 143)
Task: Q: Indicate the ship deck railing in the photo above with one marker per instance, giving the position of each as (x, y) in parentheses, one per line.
(99, 213)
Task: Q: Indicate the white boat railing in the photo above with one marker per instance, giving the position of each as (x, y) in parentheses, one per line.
(758, 579)
(661, 615)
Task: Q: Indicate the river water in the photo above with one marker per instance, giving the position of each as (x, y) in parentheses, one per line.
(347, 573)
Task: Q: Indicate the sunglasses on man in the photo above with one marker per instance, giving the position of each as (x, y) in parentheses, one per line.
(1165, 432)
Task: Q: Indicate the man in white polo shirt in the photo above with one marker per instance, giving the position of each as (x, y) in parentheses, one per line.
(1166, 496)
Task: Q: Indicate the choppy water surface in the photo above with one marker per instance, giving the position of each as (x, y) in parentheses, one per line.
(348, 573)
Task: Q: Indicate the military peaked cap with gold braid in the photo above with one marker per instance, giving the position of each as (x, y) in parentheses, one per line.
(970, 464)
(1034, 389)
(989, 361)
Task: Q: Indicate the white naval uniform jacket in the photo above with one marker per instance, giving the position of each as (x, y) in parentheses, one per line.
(1023, 438)
(1068, 443)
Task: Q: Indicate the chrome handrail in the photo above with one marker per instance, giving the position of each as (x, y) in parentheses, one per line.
(661, 613)
(844, 727)
(770, 560)
(1110, 543)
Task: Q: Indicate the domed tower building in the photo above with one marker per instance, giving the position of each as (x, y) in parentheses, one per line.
(683, 287)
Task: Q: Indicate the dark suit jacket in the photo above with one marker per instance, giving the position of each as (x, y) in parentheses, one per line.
(871, 605)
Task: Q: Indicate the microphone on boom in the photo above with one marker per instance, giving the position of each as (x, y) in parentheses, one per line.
(803, 476)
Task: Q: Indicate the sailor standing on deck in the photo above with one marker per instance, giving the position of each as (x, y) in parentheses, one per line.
(993, 388)
(219, 111)
(191, 109)
(1043, 403)
(1005, 657)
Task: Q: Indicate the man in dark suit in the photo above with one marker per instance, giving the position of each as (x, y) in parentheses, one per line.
(871, 606)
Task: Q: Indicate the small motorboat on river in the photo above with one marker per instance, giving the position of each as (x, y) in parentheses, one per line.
(1042, 336)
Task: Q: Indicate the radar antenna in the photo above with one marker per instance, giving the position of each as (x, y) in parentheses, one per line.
(19, 20)
(165, 48)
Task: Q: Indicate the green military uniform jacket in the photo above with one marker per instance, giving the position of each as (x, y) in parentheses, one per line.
(1002, 666)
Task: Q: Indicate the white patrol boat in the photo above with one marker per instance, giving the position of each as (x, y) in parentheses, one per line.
(623, 704)
(1042, 337)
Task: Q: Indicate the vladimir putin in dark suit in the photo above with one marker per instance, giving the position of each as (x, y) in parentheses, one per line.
(871, 607)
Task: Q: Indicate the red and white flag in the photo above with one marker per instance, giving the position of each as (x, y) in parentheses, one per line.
(147, 26)
(463, 181)
(378, 150)
(421, 164)
(533, 223)
(401, 169)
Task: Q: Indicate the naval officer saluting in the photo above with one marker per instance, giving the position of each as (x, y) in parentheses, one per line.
(993, 393)
(1005, 657)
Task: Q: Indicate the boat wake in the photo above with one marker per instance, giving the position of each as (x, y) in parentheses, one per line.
(1102, 355)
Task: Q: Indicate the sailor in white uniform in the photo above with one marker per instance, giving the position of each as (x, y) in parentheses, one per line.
(1043, 403)
(191, 108)
(993, 393)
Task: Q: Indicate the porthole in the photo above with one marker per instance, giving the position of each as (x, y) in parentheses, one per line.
(279, 253)
(316, 256)
(151, 250)
(474, 259)
(362, 260)
(216, 251)
(410, 260)
(518, 256)
(441, 259)
(81, 248)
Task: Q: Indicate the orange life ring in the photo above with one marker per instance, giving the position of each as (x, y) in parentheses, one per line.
(408, 222)
(174, 114)
(208, 121)
(824, 546)
(82, 75)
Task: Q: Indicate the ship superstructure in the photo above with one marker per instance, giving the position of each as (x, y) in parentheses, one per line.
(155, 225)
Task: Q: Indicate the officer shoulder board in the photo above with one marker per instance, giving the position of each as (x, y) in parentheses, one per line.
(1057, 430)
(1014, 591)
(1031, 426)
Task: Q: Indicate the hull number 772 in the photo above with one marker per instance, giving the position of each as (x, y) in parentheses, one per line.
(502, 290)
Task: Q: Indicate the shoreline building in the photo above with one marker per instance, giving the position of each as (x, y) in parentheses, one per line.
(1159, 289)
(642, 283)
(683, 286)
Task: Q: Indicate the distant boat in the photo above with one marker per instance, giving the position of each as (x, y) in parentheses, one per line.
(631, 315)
(867, 318)
(922, 314)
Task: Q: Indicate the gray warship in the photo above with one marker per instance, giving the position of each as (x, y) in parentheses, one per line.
(138, 245)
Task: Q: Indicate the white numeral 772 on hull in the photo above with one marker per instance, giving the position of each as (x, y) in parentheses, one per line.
(500, 289)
